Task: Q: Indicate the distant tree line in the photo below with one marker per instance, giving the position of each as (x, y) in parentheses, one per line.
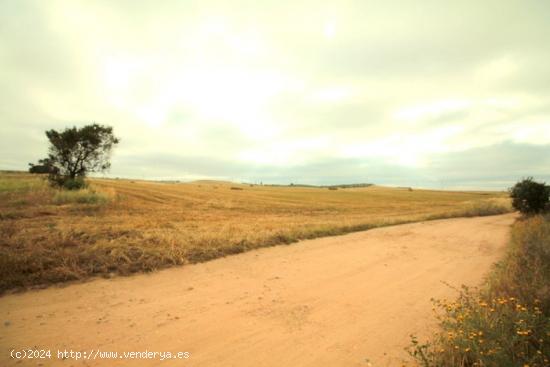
(343, 186)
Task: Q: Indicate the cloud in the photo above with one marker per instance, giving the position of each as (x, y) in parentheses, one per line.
(414, 93)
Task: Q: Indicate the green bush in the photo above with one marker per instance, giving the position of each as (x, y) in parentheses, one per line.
(66, 182)
(75, 183)
(529, 196)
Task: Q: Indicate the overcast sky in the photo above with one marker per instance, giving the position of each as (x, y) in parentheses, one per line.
(444, 94)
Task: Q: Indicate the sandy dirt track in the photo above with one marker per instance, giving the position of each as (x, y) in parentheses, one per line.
(340, 301)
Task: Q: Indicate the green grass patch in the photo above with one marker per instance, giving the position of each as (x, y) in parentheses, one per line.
(16, 183)
(84, 196)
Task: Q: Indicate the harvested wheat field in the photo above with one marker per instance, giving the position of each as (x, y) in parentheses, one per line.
(348, 300)
(123, 226)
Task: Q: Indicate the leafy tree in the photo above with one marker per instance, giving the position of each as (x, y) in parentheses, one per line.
(529, 196)
(75, 152)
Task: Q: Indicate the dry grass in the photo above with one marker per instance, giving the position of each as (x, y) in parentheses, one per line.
(122, 226)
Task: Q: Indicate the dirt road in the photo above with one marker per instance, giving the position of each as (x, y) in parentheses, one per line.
(351, 300)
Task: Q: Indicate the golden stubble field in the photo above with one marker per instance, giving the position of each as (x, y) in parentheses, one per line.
(126, 226)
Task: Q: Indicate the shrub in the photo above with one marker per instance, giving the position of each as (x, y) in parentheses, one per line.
(66, 182)
(529, 196)
(74, 183)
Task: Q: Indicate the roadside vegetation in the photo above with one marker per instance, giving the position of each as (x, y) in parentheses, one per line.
(49, 235)
(507, 322)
